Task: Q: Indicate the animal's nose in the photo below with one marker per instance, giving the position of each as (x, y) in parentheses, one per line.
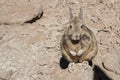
(76, 36)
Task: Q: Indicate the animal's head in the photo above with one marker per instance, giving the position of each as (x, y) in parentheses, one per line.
(75, 24)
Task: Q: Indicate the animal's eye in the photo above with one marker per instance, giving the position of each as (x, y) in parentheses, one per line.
(70, 26)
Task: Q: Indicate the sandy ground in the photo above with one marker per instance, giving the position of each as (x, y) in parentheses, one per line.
(30, 34)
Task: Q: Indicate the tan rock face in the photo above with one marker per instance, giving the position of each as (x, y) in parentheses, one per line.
(18, 13)
(30, 44)
(112, 63)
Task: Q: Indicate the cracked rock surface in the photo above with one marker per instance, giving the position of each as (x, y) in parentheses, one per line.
(18, 12)
(30, 34)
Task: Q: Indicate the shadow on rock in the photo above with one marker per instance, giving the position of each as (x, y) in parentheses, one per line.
(90, 63)
(63, 63)
(99, 74)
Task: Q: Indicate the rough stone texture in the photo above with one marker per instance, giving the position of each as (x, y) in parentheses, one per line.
(18, 12)
(112, 62)
(31, 51)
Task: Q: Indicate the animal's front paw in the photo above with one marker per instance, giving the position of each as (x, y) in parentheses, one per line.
(79, 52)
(71, 67)
(73, 53)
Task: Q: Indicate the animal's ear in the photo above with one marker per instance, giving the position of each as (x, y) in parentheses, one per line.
(81, 14)
(70, 14)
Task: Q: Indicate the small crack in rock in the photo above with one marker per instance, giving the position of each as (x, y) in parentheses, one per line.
(103, 31)
(43, 64)
(37, 17)
(34, 19)
(110, 69)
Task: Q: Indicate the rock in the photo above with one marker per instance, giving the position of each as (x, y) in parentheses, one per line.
(50, 43)
(5, 75)
(112, 63)
(38, 37)
(19, 14)
(87, 75)
(84, 70)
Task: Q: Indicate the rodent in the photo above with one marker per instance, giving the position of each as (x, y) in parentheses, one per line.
(78, 42)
